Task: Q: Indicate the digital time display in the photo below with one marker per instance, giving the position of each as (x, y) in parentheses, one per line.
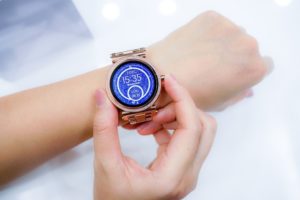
(133, 83)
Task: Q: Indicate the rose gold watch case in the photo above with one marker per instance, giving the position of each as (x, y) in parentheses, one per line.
(122, 107)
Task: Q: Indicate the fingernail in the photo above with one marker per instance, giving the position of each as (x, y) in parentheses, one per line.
(100, 97)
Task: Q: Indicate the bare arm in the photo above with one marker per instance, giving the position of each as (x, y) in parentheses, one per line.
(42, 122)
(212, 57)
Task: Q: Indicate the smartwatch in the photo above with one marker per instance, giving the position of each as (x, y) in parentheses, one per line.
(134, 85)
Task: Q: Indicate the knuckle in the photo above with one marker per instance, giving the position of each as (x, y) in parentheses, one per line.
(211, 14)
(260, 69)
(231, 29)
(251, 44)
(257, 69)
(99, 125)
(254, 68)
(105, 120)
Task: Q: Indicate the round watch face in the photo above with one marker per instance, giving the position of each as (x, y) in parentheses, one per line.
(134, 83)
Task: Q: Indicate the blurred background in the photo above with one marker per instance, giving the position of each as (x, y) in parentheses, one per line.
(256, 154)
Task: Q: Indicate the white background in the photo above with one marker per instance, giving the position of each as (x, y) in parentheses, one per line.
(256, 154)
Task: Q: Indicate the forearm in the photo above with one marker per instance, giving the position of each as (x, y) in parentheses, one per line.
(37, 124)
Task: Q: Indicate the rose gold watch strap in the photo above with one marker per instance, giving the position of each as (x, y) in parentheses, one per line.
(135, 118)
(137, 52)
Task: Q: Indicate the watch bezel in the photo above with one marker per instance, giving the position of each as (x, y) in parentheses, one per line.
(130, 108)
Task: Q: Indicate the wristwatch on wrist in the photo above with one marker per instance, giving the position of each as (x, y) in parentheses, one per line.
(134, 85)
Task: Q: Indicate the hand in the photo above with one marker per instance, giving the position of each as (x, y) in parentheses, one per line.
(173, 174)
(214, 59)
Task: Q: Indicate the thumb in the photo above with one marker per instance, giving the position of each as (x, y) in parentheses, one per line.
(105, 131)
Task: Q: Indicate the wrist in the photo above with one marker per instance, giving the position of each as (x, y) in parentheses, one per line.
(172, 61)
(157, 59)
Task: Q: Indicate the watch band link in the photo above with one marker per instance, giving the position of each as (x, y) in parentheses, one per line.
(137, 52)
(135, 118)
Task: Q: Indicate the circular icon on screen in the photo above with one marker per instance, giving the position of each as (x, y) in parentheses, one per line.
(135, 92)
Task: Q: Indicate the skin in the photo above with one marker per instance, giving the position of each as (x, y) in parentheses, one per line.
(214, 59)
(173, 174)
(233, 57)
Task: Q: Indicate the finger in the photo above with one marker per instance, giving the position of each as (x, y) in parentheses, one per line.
(164, 115)
(130, 126)
(105, 130)
(148, 128)
(167, 114)
(184, 143)
(209, 126)
(171, 126)
(209, 131)
(153, 127)
(162, 137)
(184, 105)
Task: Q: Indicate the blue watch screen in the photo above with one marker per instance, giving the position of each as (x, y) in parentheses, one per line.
(134, 83)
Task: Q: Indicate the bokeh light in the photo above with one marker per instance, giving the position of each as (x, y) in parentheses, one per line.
(283, 2)
(167, 7)
(111, 11)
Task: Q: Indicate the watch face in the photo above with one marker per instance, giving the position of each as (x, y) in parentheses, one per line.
(134, 83)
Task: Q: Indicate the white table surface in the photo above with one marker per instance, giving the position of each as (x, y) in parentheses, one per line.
(256, 154)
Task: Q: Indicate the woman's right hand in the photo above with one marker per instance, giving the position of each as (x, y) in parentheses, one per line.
(174, 172)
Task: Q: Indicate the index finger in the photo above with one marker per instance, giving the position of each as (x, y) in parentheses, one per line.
(184, 143)
(185, 108)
